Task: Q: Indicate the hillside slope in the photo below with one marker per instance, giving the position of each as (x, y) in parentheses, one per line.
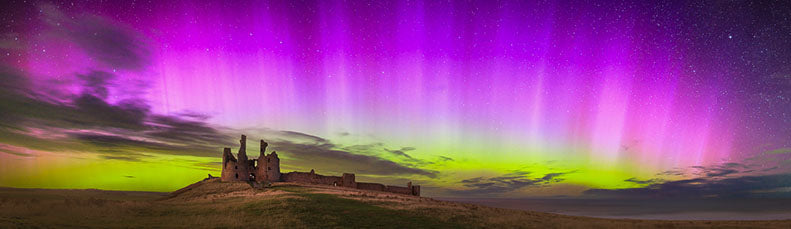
(211, 203)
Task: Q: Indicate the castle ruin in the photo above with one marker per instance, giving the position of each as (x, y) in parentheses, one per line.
(267, 169)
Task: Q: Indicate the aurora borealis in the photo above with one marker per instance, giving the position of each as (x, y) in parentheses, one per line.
(496, 98)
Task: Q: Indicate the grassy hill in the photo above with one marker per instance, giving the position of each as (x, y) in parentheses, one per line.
(212, 203)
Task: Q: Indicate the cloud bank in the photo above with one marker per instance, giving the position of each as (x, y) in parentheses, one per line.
(728, 180)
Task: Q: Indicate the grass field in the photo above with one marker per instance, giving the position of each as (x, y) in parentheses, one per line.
(214, 204)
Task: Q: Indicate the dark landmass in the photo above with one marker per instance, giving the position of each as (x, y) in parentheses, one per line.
(211, 203)
(664, 209)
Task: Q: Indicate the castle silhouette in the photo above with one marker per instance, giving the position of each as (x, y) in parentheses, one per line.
(266, 169)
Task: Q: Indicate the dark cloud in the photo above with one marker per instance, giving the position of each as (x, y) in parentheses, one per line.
(12, 81)
(95, 83)
(505, 183)
(744, 186)
(729, 169)
(409, 160)
(367, 149)
(325, 154)
(719, 170)
(12, 152)
(401, 152)
(116, 142)
(721, 181)
(675, 172)
(123, 130)
(300, 137)
(126, 129)
(129, 177)
(185, 130)
(113, 44)
(93, 111)
(215, 165)
(444, 158)
(129, 152)
(648, 181)
(125, 124)
(714, 181)
(186, 143)
(551, 176)
(520, 173)
(305, 151)
(88, 118)
(779, 151)
(122, 158)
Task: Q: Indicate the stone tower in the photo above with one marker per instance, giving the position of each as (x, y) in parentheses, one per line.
(240, 169)
(272, 167)
(229, 166)
(243, 149)
(268, 166)
(263, 148)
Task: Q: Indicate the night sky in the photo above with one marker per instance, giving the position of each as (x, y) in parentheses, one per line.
(466, 98)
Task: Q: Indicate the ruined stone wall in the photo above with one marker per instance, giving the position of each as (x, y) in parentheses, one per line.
(329, 180)
(311, 178)
(300, 177)
(370, 186)
(398, 189)
(348, 180)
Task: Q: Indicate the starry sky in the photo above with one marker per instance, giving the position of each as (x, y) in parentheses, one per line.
(466, 98)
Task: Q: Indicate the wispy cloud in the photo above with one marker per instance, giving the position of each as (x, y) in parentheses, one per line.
(122, 158)
(124, 130)
(717, 181)
(779, 151)
(118, 129)
(744, 186)
(308, 150)
(401, 152)
(13, 151)
(506, 182)
(643, 182)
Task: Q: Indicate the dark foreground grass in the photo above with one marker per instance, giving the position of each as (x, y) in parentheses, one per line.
(329, 211)
(317, 210)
